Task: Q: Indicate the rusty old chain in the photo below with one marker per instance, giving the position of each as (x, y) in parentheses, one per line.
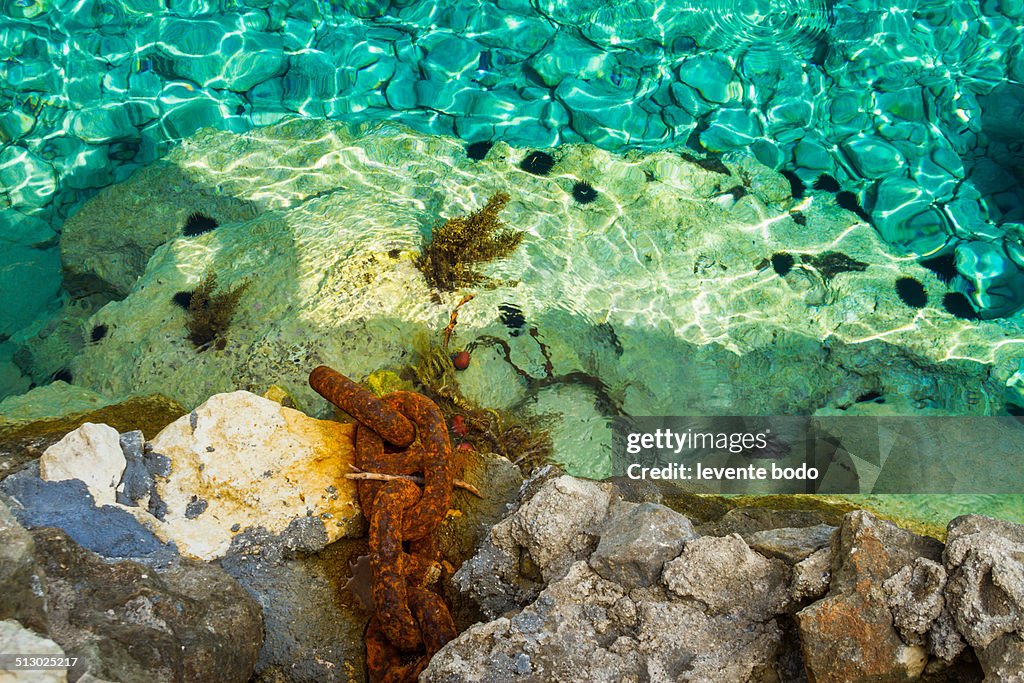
(401, 434)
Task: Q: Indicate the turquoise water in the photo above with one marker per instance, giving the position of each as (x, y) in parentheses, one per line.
(912, 109)
(909, 114)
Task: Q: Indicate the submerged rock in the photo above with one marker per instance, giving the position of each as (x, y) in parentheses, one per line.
(661, 228)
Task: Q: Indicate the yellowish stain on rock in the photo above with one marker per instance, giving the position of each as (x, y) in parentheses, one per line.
(242, 461)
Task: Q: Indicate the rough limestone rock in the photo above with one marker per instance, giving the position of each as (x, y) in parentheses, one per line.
(16, 639)
(1003, 660)
(125, 621)
(583, 627)
(872, 550)
(811, 576)
(714, 571)
(914, 595)
(558, 526)
(944, 641)
(92, 453)
(711, 615)
(985, 590)
(241, 461)
(330, 254)
(850, 637)
(791, 545)
(637, 543)
(552, 639)
(21, 583)
(850, 634)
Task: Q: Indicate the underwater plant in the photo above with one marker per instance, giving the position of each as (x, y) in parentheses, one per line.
(209, 313)
(523, 439)
(449, 256)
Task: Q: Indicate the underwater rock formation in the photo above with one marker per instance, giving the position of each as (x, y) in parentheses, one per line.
(666, 299)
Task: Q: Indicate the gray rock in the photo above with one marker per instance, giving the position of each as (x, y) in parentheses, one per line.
(582, 627)
(747, 521)
(68, 505)
(944, 641)
(21, 582)
(791, 545)
(137, 481)
(314, 630)
(811, 576)
(683, 642)
(1003, 660)
(559, 525)
(914, 596)
(985, 589)
(727, 577)
(126, 621)
(16, 639)
(635, 546)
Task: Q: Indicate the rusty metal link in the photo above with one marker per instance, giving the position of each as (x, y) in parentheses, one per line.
(402, 434)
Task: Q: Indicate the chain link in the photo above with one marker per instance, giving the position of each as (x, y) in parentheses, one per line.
(403, 433)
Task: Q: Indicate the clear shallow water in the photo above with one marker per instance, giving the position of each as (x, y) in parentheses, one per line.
(914, 110)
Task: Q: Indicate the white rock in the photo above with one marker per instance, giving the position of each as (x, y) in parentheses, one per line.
(16, 639)
(240, 461)
(91, 453)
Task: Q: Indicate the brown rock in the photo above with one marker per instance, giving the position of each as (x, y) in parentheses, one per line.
(850, 637)
(21, 580)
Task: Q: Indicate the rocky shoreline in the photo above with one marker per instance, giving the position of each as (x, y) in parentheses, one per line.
(552, 577)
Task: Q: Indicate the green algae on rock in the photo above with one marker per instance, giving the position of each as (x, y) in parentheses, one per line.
(659, 293)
